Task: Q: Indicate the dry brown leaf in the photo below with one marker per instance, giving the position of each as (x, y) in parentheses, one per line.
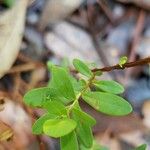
(5, 132)
(11, 31)
(20, 122)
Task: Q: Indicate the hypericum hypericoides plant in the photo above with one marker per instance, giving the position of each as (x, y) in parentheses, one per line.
(64, 118)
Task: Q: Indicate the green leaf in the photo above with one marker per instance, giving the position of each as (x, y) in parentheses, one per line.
(76, 85)
(50, 65)
(95, 146)
(61, 82)
(109, 86)
(82, 67)
(83, 129)
(122, 61)
(58, 127)
(65, 63)
(85, 135)
(107, 103)
(81, 116)
(56, 108)
(69, 142)
(141, 147)
(37, 127)
(9, 3)
(36, 97)
(98, 73)
(82, 84)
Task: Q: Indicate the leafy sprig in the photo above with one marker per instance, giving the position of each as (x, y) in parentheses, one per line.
(64, 118)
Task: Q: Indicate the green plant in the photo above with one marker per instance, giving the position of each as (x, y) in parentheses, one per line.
(8, 3)
(122, 61)
(64, 118)
(141, 147)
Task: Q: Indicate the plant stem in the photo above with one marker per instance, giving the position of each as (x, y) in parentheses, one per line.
(140, 62)
(80, 94)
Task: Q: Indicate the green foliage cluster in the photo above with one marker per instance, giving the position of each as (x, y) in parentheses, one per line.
(9, 3)
(64, 118)
(141, 147)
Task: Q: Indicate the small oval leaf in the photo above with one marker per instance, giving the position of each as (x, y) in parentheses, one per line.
(107, 103)
(36, 97)
(56, 108)
(37, 127)
(69, 142)
(83, 129)
(61, 82)
(59, 127)
(109, 86)
(81, 116)
(82, 67)
(85, 135)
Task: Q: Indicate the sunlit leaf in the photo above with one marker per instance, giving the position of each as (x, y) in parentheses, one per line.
(85, 135)
(83, 129)
(61, 82)
(37, 127)
(82, 67)
(59, 127)
(65, 63)
(141, 147)
(95, 146)
(9, 3)
(107, 103)
(69, 142)
(36, 97)
(54, 107)
(83, 117)
(109, 86)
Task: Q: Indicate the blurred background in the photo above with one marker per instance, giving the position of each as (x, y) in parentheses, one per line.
(100, 31)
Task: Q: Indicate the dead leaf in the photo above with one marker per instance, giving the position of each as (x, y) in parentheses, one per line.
(11, 31)
(6, 132)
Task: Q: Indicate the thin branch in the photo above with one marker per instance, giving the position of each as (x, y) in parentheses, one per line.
(140, 62)
(127, 65)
